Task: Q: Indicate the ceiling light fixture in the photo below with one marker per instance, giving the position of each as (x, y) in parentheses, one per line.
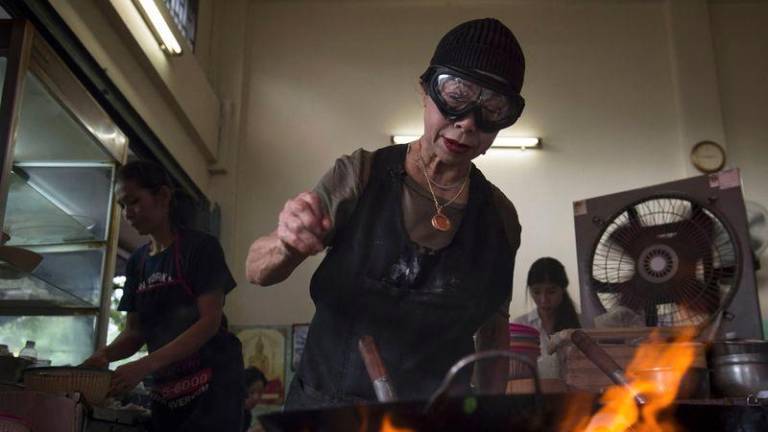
(159, 26)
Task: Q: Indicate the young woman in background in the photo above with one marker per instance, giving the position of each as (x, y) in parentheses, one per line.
(174, 294)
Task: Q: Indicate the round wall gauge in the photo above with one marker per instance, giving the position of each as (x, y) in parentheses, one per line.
(708, 156)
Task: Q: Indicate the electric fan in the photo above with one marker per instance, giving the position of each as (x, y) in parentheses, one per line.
(757, 216)
(675, 254)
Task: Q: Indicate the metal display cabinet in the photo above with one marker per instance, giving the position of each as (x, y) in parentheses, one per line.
(59, 153)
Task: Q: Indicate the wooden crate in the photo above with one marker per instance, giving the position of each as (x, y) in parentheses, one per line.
(580, 373)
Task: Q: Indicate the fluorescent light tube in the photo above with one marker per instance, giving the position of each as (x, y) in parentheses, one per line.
(159, 26)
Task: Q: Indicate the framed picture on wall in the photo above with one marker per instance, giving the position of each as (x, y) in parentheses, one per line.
(265, 348)
(297, 344)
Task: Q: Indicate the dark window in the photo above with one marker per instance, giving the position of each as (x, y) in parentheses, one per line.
(184, 13)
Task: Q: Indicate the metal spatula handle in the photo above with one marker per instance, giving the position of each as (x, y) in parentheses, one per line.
(382, 385)
(604, 362)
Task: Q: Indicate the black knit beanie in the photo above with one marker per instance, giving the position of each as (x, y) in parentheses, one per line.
(486, 45)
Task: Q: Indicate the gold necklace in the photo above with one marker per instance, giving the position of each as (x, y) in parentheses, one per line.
(440, 221)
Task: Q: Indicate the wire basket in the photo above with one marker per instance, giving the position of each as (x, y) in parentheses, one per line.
(93, 384)
(11, 423)
(11, 368)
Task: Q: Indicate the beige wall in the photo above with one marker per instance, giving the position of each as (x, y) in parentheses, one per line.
(741, 51)
(619, 91)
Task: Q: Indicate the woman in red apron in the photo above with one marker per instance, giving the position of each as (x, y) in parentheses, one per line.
(174, 294)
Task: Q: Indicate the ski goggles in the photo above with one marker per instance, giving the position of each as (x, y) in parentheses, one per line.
(457, 95)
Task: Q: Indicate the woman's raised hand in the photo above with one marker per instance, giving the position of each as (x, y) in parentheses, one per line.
(303, 224)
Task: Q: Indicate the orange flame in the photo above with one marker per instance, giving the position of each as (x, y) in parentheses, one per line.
(387, 426)
(656, 371)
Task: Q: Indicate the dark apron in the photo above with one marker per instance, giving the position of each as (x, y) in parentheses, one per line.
(190, 395)
(422, 307)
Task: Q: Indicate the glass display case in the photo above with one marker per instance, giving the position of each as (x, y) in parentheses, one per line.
(60, 150)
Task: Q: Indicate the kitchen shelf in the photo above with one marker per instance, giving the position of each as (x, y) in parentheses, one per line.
(42, 308)
(61, 151)
(35, 212)
(68, 275)
(20, 291)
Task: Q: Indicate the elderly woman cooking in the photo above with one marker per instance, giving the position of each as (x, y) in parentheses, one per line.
(420, 246)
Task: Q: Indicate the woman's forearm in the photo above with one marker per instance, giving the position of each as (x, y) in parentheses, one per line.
(126, 344)
(492, 374)
(269, 261)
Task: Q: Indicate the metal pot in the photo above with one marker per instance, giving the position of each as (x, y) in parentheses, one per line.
(737, 375)
(693, 385)
(738, 346)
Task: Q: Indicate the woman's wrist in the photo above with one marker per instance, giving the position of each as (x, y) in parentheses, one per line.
(148, 364)
(104, 354)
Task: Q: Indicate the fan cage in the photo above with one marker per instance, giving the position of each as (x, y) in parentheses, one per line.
(610, 264)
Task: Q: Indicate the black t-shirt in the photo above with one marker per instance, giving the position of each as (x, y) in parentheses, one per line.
(163, 290)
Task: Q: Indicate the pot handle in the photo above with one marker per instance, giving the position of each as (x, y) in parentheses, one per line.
(442, 391)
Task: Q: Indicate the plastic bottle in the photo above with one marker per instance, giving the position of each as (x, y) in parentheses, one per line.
(29, 352)
(4, 352)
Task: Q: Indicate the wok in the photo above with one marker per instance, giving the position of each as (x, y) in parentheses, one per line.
(469, 413)
(531, 412)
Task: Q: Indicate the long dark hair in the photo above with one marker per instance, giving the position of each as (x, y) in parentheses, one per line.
(152, 177)
(550, 270)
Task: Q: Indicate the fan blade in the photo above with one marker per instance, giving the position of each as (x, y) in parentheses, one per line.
(697, 228)
(720, 273)
(651, 315)
(702, 220)
(633, 293)
(684, 228)
(623, 237)
(628, 234)
(698, 297)
(611, 287)
(701, 229)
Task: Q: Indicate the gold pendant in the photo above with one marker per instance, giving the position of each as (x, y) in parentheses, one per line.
(441, 222)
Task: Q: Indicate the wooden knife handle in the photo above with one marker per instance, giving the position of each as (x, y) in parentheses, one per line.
(597, 355)
(383, 388)
(371, 358)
